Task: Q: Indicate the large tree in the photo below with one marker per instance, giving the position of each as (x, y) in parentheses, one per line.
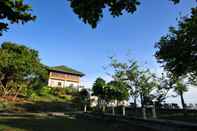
(20, 67)
(116, 91)
(177, 51)
(84, 98)
(127, 72)
(14, 11)
(98, 90)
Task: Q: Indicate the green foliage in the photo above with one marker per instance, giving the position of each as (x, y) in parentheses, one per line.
(180, 87)
(177, 50)
(81, 98)
(163, 85)
(98, 87)
(91, 11)
(146, 86)
(44, 91)
(116, 90)
(84, 96)
(70, 90)
(14, 11)
(20, 67)
(61, 92)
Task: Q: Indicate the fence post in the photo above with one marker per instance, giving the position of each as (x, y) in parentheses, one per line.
(144, 112)
(154, 110)
(123, 111)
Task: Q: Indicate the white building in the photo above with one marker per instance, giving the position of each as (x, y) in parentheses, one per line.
(63, 76)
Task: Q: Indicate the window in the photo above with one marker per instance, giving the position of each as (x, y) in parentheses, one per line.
(71, 85)
(59, 84)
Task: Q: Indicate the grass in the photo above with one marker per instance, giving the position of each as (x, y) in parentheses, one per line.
(49, 103)
(190, 118)
(68, 123)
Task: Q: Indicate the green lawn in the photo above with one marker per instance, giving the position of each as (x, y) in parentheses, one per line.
(68, 123)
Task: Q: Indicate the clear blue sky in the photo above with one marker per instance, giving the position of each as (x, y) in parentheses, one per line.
(62, 39)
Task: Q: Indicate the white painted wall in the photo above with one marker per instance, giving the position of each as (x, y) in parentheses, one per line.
(56, 83)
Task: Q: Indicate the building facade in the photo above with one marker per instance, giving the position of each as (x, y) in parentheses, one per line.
(63, 76)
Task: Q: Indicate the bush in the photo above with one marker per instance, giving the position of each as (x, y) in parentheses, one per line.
(29, 93)
(44, 91)
(63, 91)
(70, 91)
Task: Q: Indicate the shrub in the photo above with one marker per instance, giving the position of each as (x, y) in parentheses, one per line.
(28, 92)
(70, 91)
(57, 91)
(63, 91)
(44, 91)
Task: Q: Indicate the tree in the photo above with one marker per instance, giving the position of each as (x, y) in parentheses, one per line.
(177, 50)
(84, 98)
(19, 66)
(14, 11)
(91, 11)
(180, 87)
(127, 72)
(146, 86)
(163, 85)
(98, 90)
(116, 91)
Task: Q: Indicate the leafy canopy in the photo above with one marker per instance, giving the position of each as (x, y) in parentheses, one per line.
(91, 11)
(19, 67)
(98, 87)
(14, 11)
(117, 90)
(177, 51)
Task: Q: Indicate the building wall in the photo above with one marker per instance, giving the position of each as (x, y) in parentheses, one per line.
(61, 83)
(63, 80)
(94, 102)
(64, 76)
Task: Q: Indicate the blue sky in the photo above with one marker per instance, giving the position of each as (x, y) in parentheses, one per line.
(62, 39)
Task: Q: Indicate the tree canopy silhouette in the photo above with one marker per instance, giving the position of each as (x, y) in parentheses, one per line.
(14, 11)
(89, 11)
(177, 51)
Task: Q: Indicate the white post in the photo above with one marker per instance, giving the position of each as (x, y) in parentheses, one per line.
(113, 111)
(144, 112)
(154, 110)
(123, 111)
(85, 108)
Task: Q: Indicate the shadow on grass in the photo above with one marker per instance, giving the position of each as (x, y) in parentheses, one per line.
(43, 107)
(69, 123)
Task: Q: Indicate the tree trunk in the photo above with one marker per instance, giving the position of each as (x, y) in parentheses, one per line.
(17, 93)
(135, 102)
(142, 101)
(183, 104)
(182, 100)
